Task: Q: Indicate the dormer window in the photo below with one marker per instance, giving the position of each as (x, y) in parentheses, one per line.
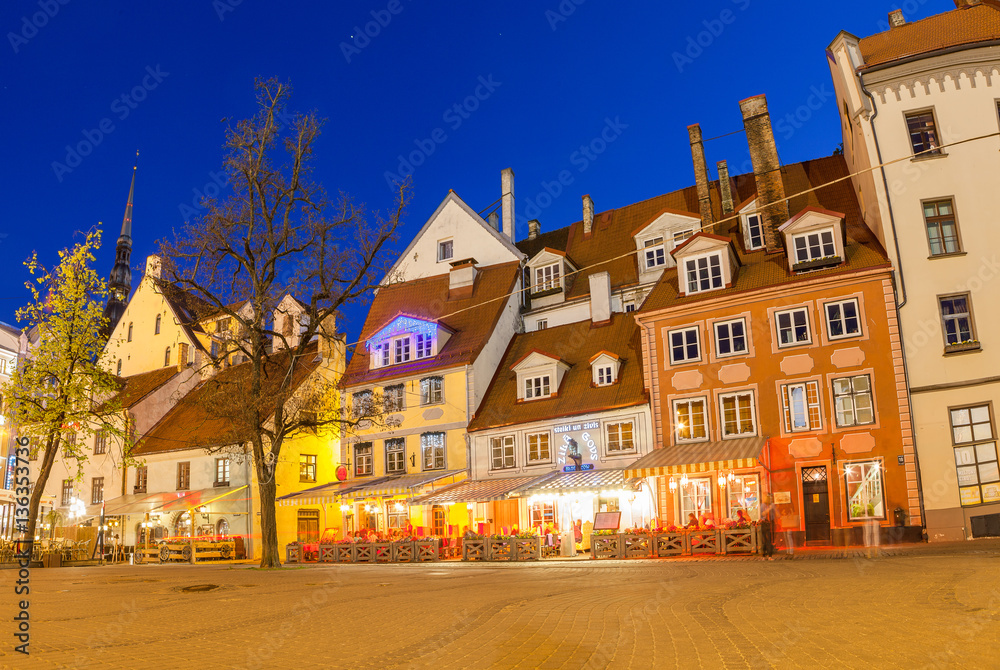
(406, 339)
(814, 246)
(547, 277)
(401, 350)
(814, 239)
(753, 232)
(682, 235)
(424, 344)
(380, 355)
(604, 366)
(537, 387)
(703, 273)
(605, 375)
(655, 253)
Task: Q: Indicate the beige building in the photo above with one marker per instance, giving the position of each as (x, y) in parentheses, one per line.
(922, 100)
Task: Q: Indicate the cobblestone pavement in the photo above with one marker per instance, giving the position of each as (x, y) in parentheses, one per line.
(914, 610)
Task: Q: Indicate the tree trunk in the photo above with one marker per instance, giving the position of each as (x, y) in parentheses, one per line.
(270, 556)
(36, 494)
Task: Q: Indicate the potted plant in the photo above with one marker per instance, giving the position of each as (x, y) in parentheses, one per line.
(817, 263)
(500, 548)
(526, 546)
(965, 345)
(738, 537)
(637, 543)
(426, 549)
(605, 544)
(474, 547)
(670, 541)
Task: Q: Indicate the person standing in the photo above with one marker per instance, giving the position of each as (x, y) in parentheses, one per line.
(768, 519)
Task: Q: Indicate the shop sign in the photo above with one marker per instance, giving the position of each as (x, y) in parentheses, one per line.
(569, 447)
(782, 497)
(8, 480)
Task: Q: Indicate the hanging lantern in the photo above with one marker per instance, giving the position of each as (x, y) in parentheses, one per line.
(672, 484)
(684, 479)
(722, 481)
(731, 477)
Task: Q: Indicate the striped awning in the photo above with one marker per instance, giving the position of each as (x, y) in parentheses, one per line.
(476, 491)
(699, 457)
(404, 484)
(325, 493)
(583, 481)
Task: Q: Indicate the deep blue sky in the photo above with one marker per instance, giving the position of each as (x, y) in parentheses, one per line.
(559, 81)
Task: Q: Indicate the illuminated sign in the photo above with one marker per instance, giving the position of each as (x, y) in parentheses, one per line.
(9, 475)
(570, 448)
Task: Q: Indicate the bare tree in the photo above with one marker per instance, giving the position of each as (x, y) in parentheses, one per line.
(278, 233)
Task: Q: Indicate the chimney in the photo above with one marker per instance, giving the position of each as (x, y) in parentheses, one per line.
(507, 201)
(462, 278)
(588, 215)
(896, 18)
(153, 266)
(766, 169)
(600, 297)
(962, 4)
(182, 356)
(701, 177)
(534, 227)
(494, 220)
(725, 188)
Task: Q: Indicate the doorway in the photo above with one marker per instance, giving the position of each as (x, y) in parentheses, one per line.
(816, 504)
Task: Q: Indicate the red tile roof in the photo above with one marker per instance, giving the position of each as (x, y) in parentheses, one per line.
(136, 387)
(958, 27)
(576, 344)
(429, 299)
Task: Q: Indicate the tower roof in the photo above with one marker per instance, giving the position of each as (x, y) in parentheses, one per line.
(127, 220)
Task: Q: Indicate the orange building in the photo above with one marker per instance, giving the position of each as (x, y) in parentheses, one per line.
(773, 361)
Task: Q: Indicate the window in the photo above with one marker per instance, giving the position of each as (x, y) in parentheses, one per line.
(842, 319)
(395, 456)
(923, 133)
(166, 358)
(424, 345)
(70, 447)
(100, 442)
(214, 349)
(801, 407)
(393, 397)
(689, 420)
(536, 387)
(446, 250)
(156, 330)
(629, 307)
(502, 452)
(620, 437)
(605, 375)
(731, 338)
(655, 254)
(864, 490)
(684, 345)
(431, 391)
(976, 457)
(852, 398)
(362, 403)
(942, 229)
(744, 494)
(753, 232)
(363, 459)
(308, 526)
(401, 349)
(696, 498)
(67, 492)
(432, 449)
(141, 475)
(704, 273)
(793, 327)
(737, 414)
(119, 367)
(541, 324)
(97, 491)
(380, 355)
(814, 246)
(956, 318)
(396, 514)
(222, 472)
(307, 467)
(547, 278)
(543, 514)
(183, 476)
(682, 235)
(538, 448)
(129, 332)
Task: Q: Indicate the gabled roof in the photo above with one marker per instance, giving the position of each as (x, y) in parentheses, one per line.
(955, 28)
(137, 387)
(471, 316)
(188, 308)
(577, 393)
(528, 354)
(679, 249)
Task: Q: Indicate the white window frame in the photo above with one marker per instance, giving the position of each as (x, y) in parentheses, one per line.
(534, 442)
(432, 395)
(380, 354)
(654, 253)
(818, 234)
(395, 446)
(684, 333)
(748, 234)
(423, 345)
(813, 409)
(605, 375)
(401, 350)
(693, 260)
(853, 395)
(681, 236)
(442, 245)
(391, 401)
(975, 446)
(502, 452)
(730, 338)
(537, 387)
(548, 277)
(222, 471)
(697, 490)
(740, 397)
(792, 326)
(615, 440)
(364, 461)
(429, 452)
(541, 324)
(842, 319)
(690, 402)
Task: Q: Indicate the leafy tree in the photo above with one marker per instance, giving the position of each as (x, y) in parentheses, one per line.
(60, 389)
(278, 233)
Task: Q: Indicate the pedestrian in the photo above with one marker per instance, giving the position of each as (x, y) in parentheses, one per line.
(767, 523)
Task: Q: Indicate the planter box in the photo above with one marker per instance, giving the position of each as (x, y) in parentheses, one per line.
(474, 550)
(499, 550)
(670, 544)
(402, 552)
(383, 552)
(343, 552)
(956, 348)
(704, 542)
(527, 548)
(327, 553)
(605, 546)
(293, 553)
(364, 552)
(818, 263)
(739, 541)
(426, 550)
(637, 546)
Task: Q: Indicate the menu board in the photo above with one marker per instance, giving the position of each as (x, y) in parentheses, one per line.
(607, 520)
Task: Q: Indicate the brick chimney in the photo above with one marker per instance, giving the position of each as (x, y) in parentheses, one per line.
(588, 215)
(600, 297)
(534, 227)
(896, 19)
(766, 169)
(701, 177)
(725, 188)
(507, 202)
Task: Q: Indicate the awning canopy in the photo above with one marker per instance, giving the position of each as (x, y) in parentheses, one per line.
(234, 500)
(699, 457)
(475, 491)
(404, 484)
(324, 493)
(582, 481)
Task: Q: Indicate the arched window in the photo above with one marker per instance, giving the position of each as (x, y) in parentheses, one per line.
(166, 358)
(157, 331)
(222, 528)
(130, 331)
(119, 367)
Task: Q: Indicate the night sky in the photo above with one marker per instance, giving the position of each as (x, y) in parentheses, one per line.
(551, 77)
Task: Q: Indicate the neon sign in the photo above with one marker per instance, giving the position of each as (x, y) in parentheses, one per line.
(569, 448)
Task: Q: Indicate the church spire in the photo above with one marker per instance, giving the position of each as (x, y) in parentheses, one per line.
(120, 282)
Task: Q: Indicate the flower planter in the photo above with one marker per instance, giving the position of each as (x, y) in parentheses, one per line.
(402, 552)
(739, 541)
(670, 544)
(527, 548)
(499, 550)
(293, 553)
(605, 546)
(636, 546)
(344, 552)
(704, 541)
(474, 549)
(426, 550)
(817, 263)
(964, 346)
(382, 551)
(364, 552)
(327, 553)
